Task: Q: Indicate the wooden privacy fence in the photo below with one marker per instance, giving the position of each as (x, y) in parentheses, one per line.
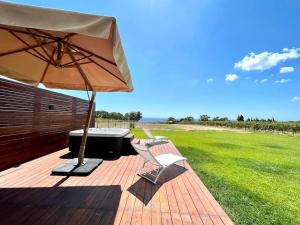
(35, 122)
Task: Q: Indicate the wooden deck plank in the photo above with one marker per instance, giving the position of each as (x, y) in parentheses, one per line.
(126, 207)
(177, 194)
(217, 209)
(112, 194)
(138, 204)
(126, 178)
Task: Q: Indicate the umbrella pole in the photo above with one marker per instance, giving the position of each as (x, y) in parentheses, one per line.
(86, 128)
(82, 167)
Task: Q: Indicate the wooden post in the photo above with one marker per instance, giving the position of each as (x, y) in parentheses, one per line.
(85, 131)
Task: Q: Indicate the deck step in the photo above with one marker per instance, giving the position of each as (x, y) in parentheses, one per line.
(129, 136)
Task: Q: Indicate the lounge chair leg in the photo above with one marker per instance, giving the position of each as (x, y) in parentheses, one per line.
(162, 163)
(160, 171)
(158, 175)
(140, 170)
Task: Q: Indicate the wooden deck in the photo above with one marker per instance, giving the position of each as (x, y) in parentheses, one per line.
(112, 194)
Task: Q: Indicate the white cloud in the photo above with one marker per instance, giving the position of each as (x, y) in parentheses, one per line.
(231, 77)
(295, 99)
(210, 80)
(282, 81)
(287, 69)
(263, 81)
(256, 81)
(266, 60)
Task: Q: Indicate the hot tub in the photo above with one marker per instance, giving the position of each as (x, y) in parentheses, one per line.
(102, 132)
(101, 142)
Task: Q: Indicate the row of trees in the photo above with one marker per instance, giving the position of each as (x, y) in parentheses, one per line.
(293, 127)
(241, 119)
(133, 116)
(205, 117)
(269, 124)
(190, 119)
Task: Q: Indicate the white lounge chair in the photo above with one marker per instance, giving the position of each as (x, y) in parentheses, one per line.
(154, 138)
(163, 161)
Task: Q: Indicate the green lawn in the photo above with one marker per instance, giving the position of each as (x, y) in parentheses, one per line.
(254, 176)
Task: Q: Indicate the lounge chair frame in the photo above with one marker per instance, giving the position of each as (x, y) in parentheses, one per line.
(152, 137)
(144, 151)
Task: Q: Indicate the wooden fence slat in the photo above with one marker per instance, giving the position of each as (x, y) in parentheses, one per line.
(35, 122)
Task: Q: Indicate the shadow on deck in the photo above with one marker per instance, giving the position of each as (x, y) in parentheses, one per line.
(112, 194)
(60, 205)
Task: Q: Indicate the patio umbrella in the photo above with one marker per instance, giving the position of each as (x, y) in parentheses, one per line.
(62, 49)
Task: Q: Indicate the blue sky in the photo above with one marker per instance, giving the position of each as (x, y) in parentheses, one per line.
(215, 57)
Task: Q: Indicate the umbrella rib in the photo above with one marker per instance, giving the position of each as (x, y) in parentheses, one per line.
(72, 65)
(25, 32)
(25, 48)
(39, 42)
(77, 60)
(93, 61)
(68, 36)
(37, 56)
(44, 33)
(50, 36)
(83, 75)
(46, 68)
(107, 70)
(28, 45)
(93, 54)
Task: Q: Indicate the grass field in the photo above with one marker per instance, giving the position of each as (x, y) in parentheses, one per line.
(254, 176)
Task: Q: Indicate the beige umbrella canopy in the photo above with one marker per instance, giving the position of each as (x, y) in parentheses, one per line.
(40, 45)
(62, 49)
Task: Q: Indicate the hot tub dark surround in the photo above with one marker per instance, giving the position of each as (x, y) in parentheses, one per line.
(102, 142)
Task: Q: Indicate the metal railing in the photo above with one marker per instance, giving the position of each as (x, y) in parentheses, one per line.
(129, 124)
(108, 123)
